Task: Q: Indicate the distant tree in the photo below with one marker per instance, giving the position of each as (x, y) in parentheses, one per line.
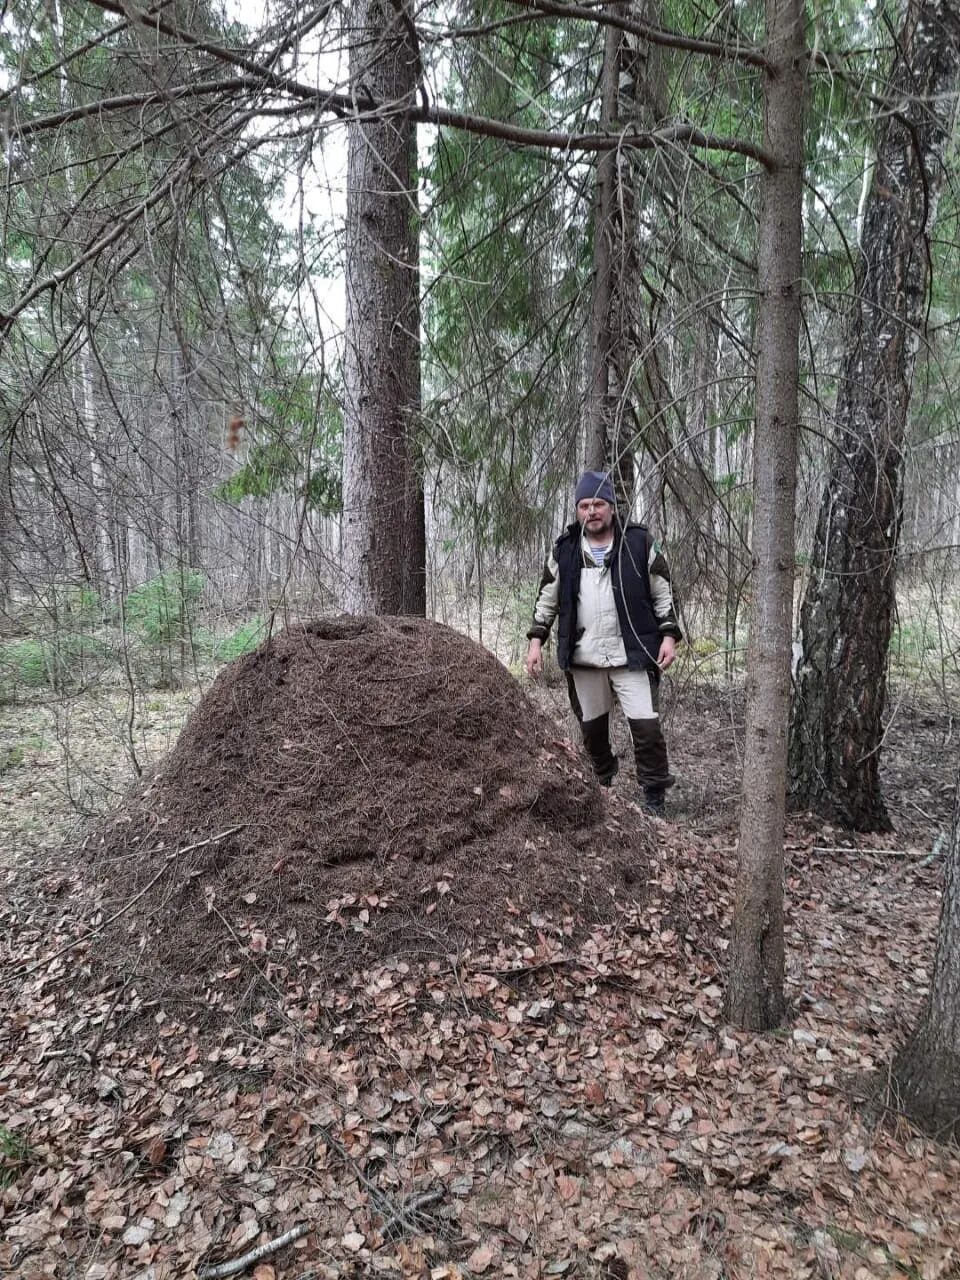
(169, 110)
(139, 306)
(848, 608)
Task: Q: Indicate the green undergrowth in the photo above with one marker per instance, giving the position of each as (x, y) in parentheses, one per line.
(69, 664)
(15, 1156)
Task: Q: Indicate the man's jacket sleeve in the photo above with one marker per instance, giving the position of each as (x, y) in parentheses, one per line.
(662, 592)
(548, 600)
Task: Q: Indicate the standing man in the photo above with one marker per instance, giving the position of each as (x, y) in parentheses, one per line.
(609, 588)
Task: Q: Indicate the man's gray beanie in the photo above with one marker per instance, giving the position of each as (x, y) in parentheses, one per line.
(594, 484)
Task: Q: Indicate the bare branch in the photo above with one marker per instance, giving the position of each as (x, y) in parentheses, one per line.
(361, 107)
(654, 35)
(130, 102)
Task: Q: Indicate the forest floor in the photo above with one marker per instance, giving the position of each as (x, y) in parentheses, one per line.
(557, 1103)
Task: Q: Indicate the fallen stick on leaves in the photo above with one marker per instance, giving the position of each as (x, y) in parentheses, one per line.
(254, 1255)
(404, 1216)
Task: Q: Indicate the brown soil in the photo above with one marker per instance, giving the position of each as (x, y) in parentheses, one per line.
(357, 788)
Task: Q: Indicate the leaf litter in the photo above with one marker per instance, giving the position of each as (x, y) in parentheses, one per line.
(549, 1098)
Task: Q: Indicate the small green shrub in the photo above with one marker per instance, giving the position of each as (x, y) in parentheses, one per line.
(164, 609)
(14, 1155)
(705, 646)
(79, 606)
(247, 637)
(57, 662)
(23, 662)
(74, 651)
(161, 615)
(60, 607)
(911, 640)
(11, 758)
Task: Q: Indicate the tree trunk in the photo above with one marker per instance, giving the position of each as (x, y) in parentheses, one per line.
(629, 98)
(94, 503)
(607, 231)
(98, 500)
(383, 528)
(10, 545)
(755, 997)
(847, 614)
(926, 1072)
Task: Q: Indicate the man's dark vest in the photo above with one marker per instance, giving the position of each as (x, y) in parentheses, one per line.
(627, 564)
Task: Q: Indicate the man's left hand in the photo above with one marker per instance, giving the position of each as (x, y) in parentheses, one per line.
(668, 651)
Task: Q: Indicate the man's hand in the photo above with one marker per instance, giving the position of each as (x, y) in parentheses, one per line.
(668, 651)
(534, 662)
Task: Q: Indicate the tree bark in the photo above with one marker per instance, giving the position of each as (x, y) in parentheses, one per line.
(607, 232)
(383, 526)
(755, 998)
(847, 614)
(630, 97)
(926, 1072)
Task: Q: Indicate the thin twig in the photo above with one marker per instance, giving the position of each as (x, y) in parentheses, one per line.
(524, 970)
(247, 1259)
(261, 971)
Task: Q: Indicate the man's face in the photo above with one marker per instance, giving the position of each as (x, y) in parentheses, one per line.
(595, 515)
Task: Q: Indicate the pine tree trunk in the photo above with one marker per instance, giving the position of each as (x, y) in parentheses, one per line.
(629, 97)
(607, 230)
(755, 997)
(95, 510)
(10, 553)
(926, 1073)
(847, 614)
(383, 530)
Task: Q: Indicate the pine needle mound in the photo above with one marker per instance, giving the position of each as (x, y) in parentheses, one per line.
(357, 788)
